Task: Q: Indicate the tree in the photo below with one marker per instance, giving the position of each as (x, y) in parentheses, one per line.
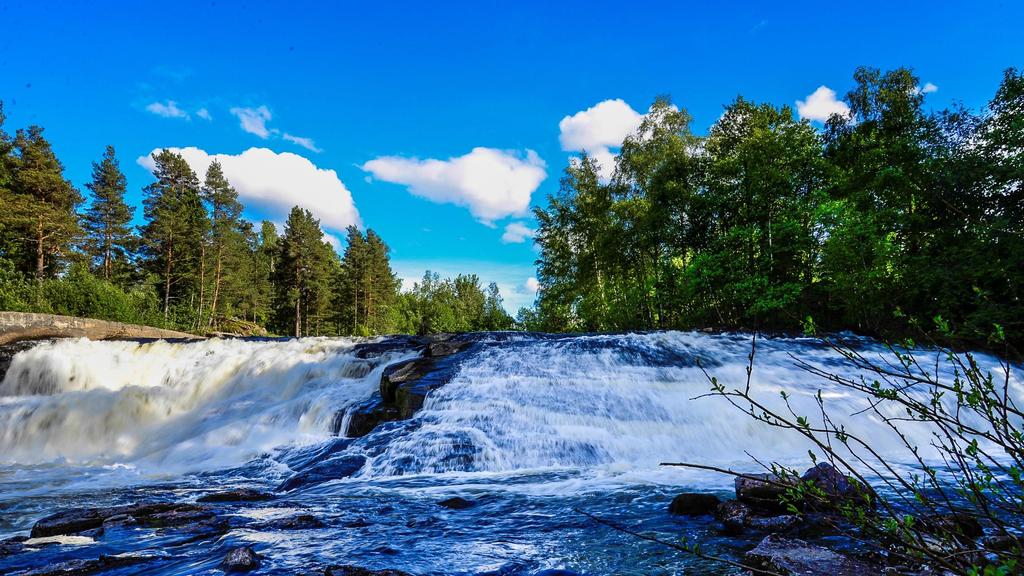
(495, 317)
(109, 238)
(227, 233)
(40, 204)
(366, 289)
(174, 234)
(302, 275)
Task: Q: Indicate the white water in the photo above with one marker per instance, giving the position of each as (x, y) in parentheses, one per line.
(175, 406)
(613, 406)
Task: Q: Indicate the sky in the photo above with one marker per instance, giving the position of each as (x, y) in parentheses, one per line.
(441, 125)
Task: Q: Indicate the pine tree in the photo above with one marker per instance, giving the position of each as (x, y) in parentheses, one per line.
(109, 238)
(226, 233)
(175, 228)
(302, 275)
(39, 206)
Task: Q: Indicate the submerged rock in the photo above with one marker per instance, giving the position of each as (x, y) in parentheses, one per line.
(300, 522)
(694, 504)
(237, 495)
(457, 503)
(331, 469)
(348, 570)
(791, 557)
(241, 559)
(151, 515)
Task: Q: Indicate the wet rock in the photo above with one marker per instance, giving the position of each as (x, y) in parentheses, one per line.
(557, 573)
(84, 567)
(763, 492)
(349, 570)
(237, 495)
(446, 348)
(151, 515)
(733, 516)
(792, 557)
(332, 469)
(12, 546)
(457, 503)
(357, 523)
(781, 523)
(694, 504)
(241, 559)
(837, 488)
(300, 522)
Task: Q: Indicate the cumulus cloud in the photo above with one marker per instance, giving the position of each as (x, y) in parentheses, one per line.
(928, 88)
(492, 183)
(532, 285)
(306, 143)
(604, 125)
(204, 114)
(168, 109)
(276, 182)
(254, 120)
(821, 104)
(517, 233)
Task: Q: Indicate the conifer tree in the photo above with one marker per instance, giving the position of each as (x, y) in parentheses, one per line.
(39, 205)
(175, 229)
(109, 238)
(226, 232)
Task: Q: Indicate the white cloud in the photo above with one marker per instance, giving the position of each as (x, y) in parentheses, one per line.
(604, 125)
(928, 88)
(168, 109)
(254, 120)
(492, 183)
(517, 233)
(276, 182)
(532, 285)
(333, 240)
(204, 114)
(306, 143)
(821, 104)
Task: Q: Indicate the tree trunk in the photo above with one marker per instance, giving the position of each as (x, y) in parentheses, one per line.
(40, 252)
(216, 288)
(202, 283)
(167, 282)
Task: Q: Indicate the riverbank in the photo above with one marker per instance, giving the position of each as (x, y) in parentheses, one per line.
(19, 326)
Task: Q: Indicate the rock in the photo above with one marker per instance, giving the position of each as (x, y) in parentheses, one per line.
(837, 487)
(457, 503)
(762, 492)
(556, 572)
(694, 504)
(151, 515)
(445, 348)
(957, 525)
(792, 557)
(331, 469)
(781, 523)
(300, 522)
(83, 567)
(733, 516)
(11, 546)
(237, 495)
(240, 560)
(358, 571)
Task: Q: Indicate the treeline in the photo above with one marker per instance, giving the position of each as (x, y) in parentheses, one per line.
(890, 215)
(195, 264)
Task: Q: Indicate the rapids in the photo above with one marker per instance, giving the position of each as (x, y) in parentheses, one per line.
(530, 428)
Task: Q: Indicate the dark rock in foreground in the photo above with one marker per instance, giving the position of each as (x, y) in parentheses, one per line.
(694, 504)
(300, 522)
(836, 489)
(241, 559)
(237, 495)
(90, 566)
(357, 571)
(763, 492)
(153, 515)
(791, 557)
(330, 469)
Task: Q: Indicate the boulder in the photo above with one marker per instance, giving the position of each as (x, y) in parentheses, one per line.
(82, 567)
(237, 495)
(241, 559)
(151, 515)
(694, 504)
(349, 570)
(763, 492)
(837, 487)
(776, 555)
(733, 516)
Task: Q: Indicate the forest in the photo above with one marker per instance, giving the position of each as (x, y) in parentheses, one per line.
(890, 221)
(885, 220)
(196, 264)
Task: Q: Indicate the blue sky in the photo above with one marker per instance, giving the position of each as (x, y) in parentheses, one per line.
(444, 125)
